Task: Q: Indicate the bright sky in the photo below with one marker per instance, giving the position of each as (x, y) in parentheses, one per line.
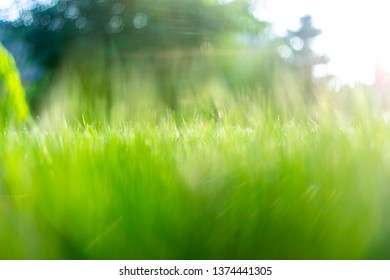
(355, 34)
(5, 3)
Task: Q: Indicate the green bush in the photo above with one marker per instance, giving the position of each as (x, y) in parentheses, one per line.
(13, 105)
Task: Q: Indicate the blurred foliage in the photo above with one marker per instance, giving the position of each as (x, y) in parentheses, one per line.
(100, 32)
(131, 25)
(13, 106)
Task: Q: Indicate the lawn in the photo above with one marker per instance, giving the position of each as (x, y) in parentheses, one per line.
(271, 188)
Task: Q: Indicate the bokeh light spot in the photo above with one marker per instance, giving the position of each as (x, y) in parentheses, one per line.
(81, 23)
(140, 20)
(116, 24)
(118, 8)
(72, 12)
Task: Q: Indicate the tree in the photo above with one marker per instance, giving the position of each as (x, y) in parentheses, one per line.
(121, 28)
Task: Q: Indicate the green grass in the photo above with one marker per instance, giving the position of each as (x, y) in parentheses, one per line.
(13, 106)
(196, 189)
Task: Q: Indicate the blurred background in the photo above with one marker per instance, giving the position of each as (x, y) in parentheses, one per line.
(115, 59)
(167, 123)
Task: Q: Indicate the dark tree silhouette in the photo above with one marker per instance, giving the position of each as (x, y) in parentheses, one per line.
(126, 27)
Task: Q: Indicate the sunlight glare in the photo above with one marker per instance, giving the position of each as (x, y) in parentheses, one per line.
(382, 40)
(5, 4)
(347, 33)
